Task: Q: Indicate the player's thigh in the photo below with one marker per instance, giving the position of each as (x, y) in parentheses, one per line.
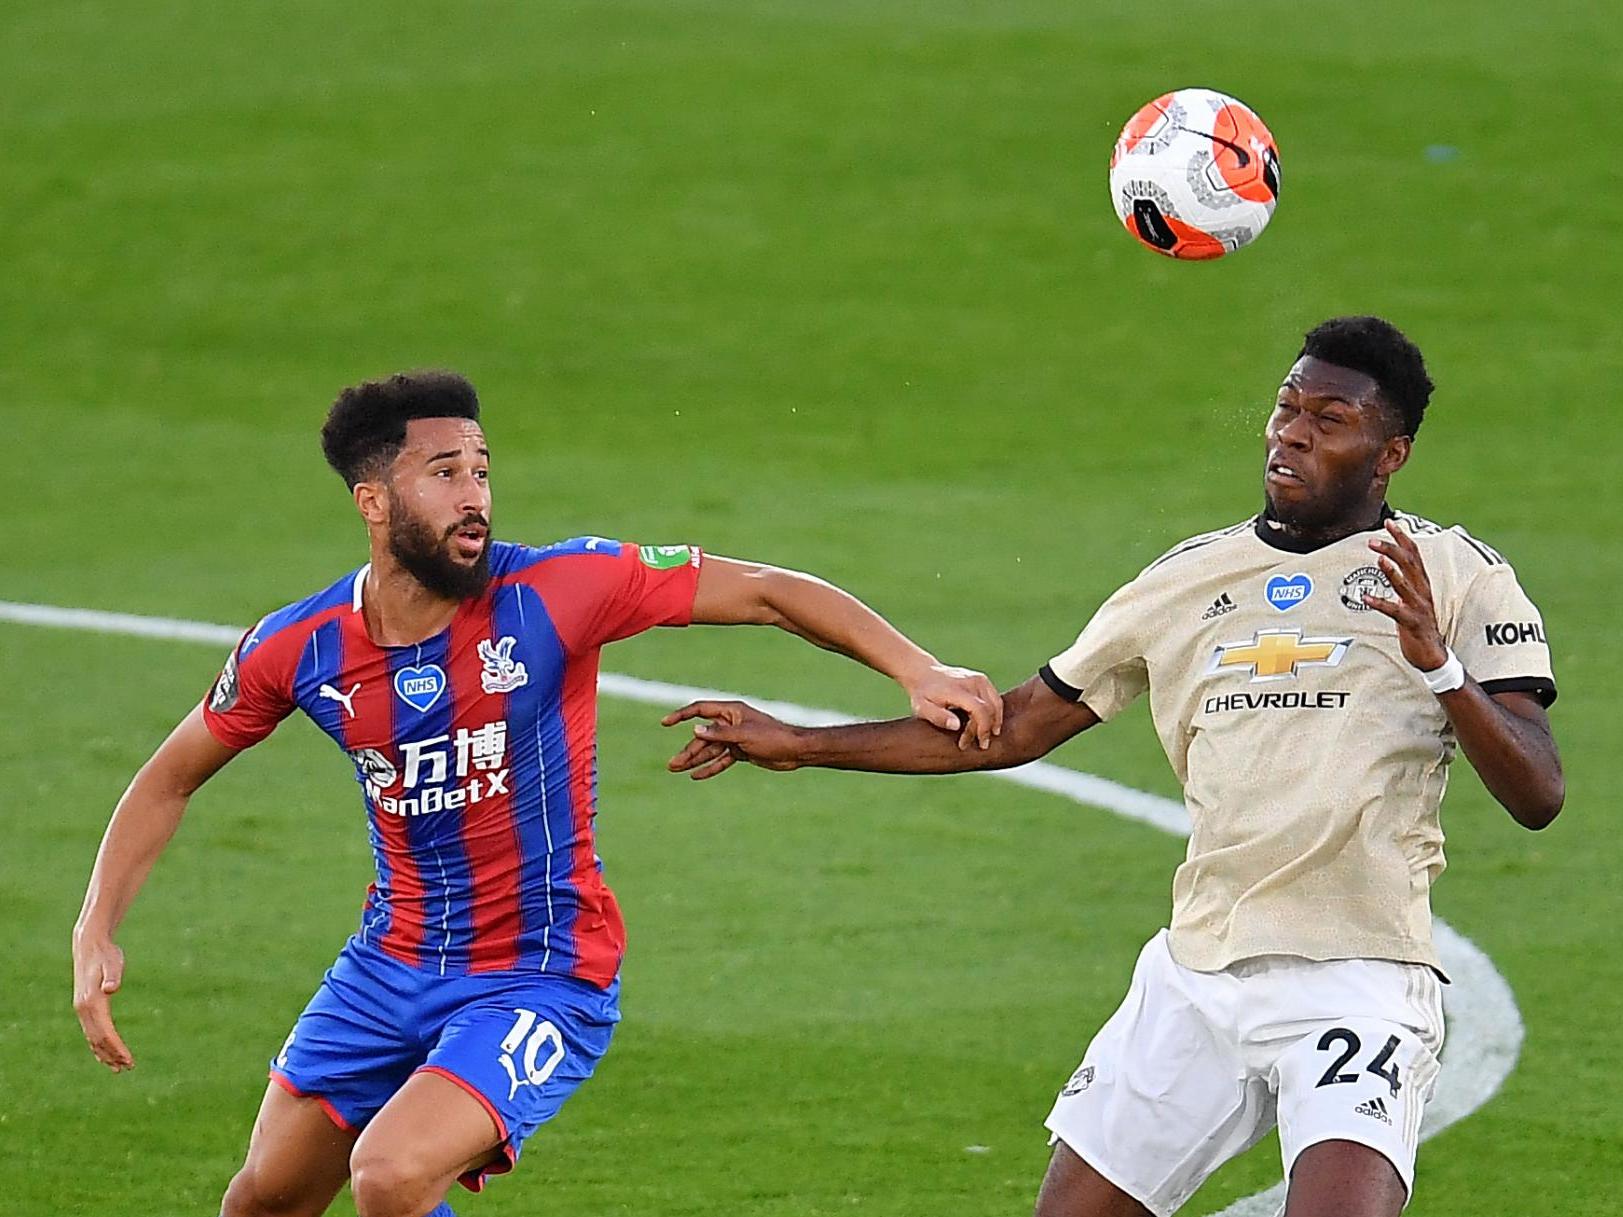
(515, 1052)
(1163, 1097)
(356, 1042)
(427, 1136)
(297, 1160)
(1072, 1188)
(1359, 1081)
(1344, 1179)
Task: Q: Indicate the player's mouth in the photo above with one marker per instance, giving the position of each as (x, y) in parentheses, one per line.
(469, 540)
(1282, 475)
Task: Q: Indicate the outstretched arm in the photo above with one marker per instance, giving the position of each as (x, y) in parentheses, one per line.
(1035, 722)
(142, 824)
(745, 593)
(1506, 736)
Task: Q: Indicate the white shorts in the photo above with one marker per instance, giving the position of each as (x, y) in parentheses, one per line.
(1196, 1067)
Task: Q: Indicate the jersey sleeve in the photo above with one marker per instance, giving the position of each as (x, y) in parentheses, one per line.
(253, 693)
(1499, 636)
(1105, 667)
(614, 595)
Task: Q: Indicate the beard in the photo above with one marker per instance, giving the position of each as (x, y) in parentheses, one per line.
(426, 555)
(1338, 506)
(1308, 516)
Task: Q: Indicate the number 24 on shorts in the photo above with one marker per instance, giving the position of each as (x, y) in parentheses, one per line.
(1382, 1066)
(542, 1034)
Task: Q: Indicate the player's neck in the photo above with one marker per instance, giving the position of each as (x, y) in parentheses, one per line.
(1306, 538)
(400, 611)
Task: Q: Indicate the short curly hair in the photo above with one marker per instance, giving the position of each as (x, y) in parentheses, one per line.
(1381, 351)
(366, 426)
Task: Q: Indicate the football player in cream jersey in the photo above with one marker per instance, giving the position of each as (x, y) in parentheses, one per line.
(1311, 673)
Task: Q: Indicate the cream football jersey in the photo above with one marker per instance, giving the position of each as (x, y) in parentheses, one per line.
(1312, 756)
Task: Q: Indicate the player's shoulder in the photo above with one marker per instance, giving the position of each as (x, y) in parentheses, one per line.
(1465, 555)
(1205, 544)
(510, 559)
(291, 625)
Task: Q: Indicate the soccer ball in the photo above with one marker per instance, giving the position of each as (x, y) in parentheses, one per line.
(1195, 174)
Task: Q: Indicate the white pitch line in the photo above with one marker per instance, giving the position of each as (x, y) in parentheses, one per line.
(1484, 1025)
(98, 622)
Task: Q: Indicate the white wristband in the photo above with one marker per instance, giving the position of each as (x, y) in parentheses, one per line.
(1447, 678)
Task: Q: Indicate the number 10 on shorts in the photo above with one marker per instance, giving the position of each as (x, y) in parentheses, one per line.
(541, 1035)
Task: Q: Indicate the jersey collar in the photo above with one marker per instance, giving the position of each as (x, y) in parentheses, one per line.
(1275, 538)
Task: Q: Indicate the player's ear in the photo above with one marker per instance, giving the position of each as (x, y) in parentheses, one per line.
(1395, 455)
(372, 501)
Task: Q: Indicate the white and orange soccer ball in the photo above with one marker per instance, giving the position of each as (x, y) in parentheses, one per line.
(1195, 174)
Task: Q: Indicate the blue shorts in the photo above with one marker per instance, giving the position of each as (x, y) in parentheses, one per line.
(519, 1042)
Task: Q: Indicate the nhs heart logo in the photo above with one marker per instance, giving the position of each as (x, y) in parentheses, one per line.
(420, 687)
(1285, 593)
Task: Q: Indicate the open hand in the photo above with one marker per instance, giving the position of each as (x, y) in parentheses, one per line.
(98, 972)
(1418, 634)
(734, 732)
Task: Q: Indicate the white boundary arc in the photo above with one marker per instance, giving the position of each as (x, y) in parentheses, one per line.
(1484, 1025)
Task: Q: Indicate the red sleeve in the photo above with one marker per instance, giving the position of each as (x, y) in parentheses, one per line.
(253, 692)
(597, 597)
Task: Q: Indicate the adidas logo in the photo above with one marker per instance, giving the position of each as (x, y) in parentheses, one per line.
(1219, 606)
(1376, 1108)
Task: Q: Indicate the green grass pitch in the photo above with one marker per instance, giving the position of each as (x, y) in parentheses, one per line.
(825, 282)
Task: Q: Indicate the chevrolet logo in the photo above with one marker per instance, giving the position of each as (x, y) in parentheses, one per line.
(1278, 654)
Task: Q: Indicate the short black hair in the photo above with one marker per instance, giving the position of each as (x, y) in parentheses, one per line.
(366, 426)
(1381, 351)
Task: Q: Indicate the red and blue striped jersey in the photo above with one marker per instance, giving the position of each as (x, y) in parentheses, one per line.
(476, 750)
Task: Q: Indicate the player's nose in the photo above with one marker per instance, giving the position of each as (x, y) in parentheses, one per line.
(1296, 432)
(475, 497)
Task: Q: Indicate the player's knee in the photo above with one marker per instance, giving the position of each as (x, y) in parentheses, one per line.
(237, 1199)
(387, 1184)
(252, 1194)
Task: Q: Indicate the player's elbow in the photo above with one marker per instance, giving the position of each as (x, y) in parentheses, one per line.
(1546, 811)
(1538, 808)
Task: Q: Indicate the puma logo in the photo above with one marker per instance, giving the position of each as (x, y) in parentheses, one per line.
(347, 699)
